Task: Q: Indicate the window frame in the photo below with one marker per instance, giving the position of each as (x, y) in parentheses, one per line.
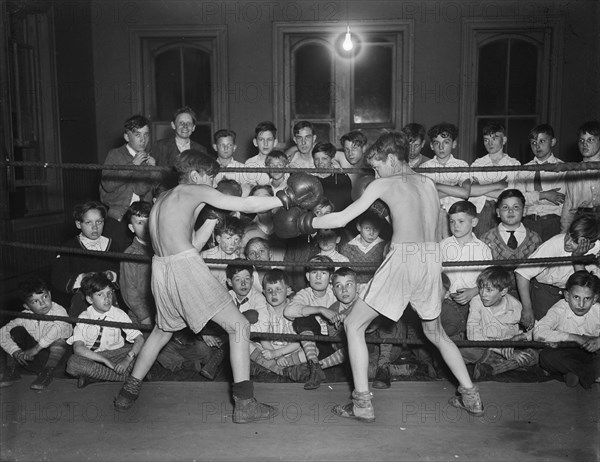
(477, 32)
(285, 31)
(217, 34)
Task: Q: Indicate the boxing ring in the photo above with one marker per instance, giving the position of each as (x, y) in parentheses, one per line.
(192, 420)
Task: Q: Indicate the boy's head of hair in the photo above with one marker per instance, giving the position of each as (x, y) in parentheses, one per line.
(230, 187)
(394, 143)
(414, 132)
(267, 188)
(231, 270)
(239, 277)
(510, 193)
(303, 124)
(230, 225)
(369, 225)
(592, 127)
(463, 207)
(140, 209)
(495, 276)
(258, 248)
(276, 287)
(445, 130)
(343, 282)
(324, 207)
(491, 128)
(265, 126)
(584, 226)
(325, 148)
(190, 161)
(342, 272)
(95, 282)
(355, 138)
(31, 287)
(327, 264)
(81, 209)
(273, 276)
(582, 291)
(135, 122)
(542, 129)
(276, 157)
(184, 110)
(224, 133)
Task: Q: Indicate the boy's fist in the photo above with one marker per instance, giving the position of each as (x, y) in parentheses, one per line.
(293, 222)
(303, 190)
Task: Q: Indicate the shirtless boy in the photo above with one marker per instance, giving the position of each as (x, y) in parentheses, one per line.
(411, 272)
(185, 291)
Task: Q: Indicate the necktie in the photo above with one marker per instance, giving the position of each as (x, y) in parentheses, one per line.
(96, 344)
(512, 240)
(537, 181)
(240, 303)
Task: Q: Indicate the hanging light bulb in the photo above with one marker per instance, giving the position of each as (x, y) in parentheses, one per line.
(348, 45)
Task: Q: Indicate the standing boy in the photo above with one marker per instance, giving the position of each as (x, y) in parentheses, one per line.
(265, 139)
(171, 230)
(416, 139)
(411, 272)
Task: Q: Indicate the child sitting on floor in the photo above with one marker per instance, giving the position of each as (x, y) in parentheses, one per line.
(574, 319)
(494, 314)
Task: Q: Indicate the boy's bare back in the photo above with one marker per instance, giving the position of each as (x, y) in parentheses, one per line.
(173, 217)
(414, 206)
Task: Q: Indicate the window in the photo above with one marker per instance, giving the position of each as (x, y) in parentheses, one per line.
(179, 67)
(33, 192)
(336, 92)
(510, 75)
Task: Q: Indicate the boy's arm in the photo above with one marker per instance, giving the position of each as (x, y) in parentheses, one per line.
(462, 191)
(80, 349)
(490, 190)
(54, 330)
(474, 327)
(527, 317)
(568, 209)
(285, 350)
(204, 233)
(546, 329)
(6, 341)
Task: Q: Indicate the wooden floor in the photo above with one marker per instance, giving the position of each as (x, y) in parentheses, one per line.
(192, 421)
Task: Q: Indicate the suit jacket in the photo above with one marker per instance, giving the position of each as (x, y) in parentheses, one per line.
(165, 151)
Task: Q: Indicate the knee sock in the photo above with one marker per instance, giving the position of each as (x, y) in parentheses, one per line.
(56, 354)
(101, 372)
(133, 386)
(385, 354)
(334, 359)
(310, 348)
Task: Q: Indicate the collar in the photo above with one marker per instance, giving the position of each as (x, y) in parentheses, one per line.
(182, 145)
(519, 230)
(550, 160)
(130, 150)
(99, 244)
(93, 314)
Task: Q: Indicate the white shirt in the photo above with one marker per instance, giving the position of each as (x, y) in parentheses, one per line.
(447, 178)
(43, 332)
(498, 322)
(255, 178)
(111, 339)
(255, 301)
(243, 178)
(492, 177)
(362, 245)
(555, 274)
(560, 321)
(549, 180)
(134, 196)
(307, 297)
(464, 277)
(520, 233)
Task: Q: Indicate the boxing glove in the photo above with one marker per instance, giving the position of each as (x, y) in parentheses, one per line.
(293, 222)
(303, 190)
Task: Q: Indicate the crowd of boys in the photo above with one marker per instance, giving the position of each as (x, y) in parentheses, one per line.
(483, 216)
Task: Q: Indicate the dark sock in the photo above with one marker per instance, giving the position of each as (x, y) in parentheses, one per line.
(243, 390)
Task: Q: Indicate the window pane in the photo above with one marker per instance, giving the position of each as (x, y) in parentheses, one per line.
(196, 71)
(522, 88)
(518, 142)
(491, 93)
(373, 85)
(312, 81)
(167, 75)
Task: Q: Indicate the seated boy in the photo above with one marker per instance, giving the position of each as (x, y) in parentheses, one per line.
(540, 287)
(574, 319)
(135, 276)
(224, 145)
(510, 239)
(276, 355)
(228, 235)
(486, 186)
(494, 314)
(544, 191)
(259, 249)
(463, 246)
(119, 188)
(451, 187)
(100, 353)
(36, 345)
(307, 309)
(416, 139)
(327, 240)
(337, 187)
(68, 269)
(366, 247)
(277, 180)
(265, 139)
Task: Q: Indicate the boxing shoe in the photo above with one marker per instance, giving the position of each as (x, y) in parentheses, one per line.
(315, 377)
(469, 400)
(249, 410)
(360, 408)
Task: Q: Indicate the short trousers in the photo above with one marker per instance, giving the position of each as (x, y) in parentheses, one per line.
(186, 292)
(411, 273)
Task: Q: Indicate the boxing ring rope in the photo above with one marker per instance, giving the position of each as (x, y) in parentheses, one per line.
(559, 167)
